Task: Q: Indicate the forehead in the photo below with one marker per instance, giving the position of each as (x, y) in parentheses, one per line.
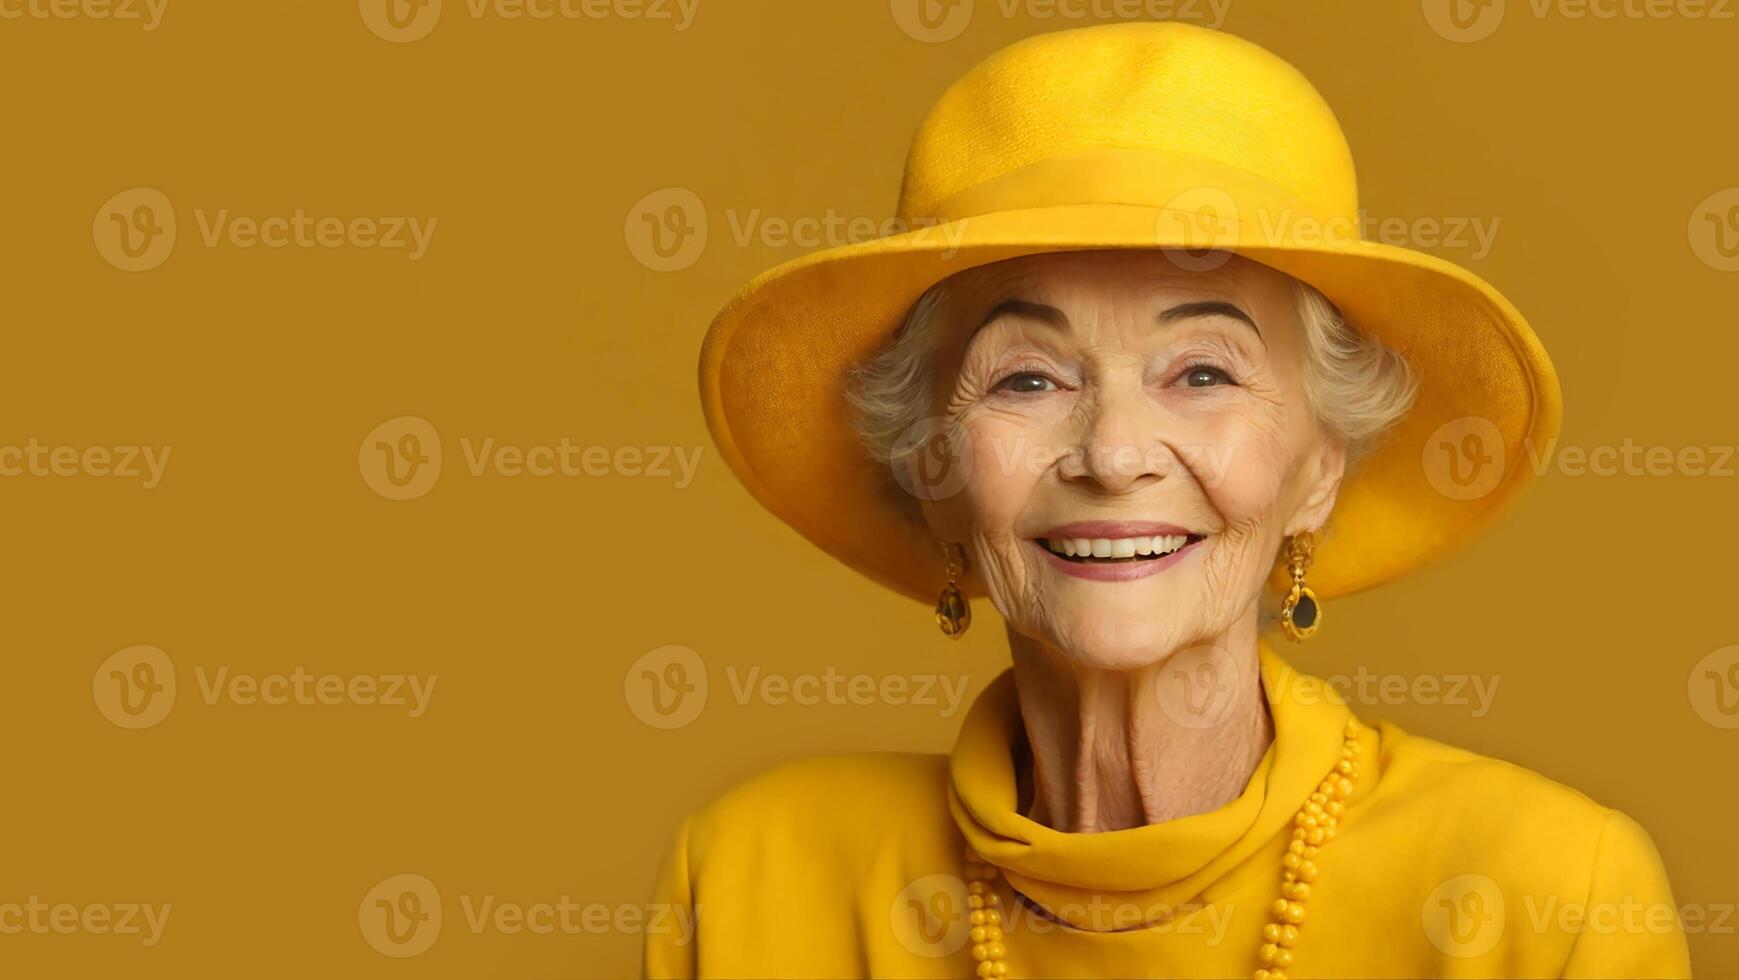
(1112, 275)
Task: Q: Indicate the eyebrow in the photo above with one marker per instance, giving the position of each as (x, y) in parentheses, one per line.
(1209, 307)
(1045, 313)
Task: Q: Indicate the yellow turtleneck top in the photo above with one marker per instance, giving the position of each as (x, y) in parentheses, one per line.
(1446, 864)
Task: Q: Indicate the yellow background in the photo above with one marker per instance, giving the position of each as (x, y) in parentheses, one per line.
(532, 143)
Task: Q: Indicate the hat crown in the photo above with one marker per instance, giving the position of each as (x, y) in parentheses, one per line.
(1174, 105)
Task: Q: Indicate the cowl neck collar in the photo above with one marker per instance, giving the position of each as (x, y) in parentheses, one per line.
(1163, 864)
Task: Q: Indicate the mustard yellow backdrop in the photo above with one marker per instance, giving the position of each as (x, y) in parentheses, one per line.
(376, 605)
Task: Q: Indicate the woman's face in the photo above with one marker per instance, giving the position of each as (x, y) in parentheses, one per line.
(1140, 445)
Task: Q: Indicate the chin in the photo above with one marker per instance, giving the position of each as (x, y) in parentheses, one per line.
(1124, 629)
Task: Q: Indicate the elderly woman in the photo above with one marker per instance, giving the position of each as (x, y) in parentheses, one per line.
(1133, 376)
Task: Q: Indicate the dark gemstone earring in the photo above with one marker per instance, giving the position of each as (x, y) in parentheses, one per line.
(953, 612)
(1300, 614)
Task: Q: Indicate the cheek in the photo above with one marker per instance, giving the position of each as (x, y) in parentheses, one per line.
(1243, 464)
(1000, 481)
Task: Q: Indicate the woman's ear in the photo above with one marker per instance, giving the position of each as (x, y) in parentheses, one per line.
(1321, 477)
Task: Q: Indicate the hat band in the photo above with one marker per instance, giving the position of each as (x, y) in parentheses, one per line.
(1204, 203)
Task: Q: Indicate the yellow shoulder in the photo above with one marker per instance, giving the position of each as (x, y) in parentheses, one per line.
(829, 811)
(1569, 886)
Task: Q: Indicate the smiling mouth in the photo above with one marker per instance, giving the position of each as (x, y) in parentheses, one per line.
(1113, 551)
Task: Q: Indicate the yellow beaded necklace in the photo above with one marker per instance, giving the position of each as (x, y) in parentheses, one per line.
(1312, 827)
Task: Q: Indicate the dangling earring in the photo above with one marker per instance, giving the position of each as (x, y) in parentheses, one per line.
(953, 612)
(1300, 614)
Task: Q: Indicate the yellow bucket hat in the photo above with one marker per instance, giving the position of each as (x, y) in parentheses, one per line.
(1134, 135)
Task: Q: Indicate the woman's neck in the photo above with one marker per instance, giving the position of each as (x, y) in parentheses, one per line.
(1114, 749)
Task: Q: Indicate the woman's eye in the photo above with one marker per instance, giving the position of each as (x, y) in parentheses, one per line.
(1025, 383)
(1203, 376)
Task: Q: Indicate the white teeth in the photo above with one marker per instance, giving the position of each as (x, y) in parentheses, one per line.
(1162, 544)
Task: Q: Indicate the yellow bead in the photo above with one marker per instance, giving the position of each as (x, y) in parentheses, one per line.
(992, 917)
(1262, 975)
(1315, 836)
(1343, 789)
(1335, 808)
(977, 887)
(1276, 975)
(1307, 871)
(987, 969)
(1283, 958)
(1280, 907)
(1310, 853)
(992, 934)
(977, 934)
(1000, 968)
(1296, 847)
(1291, 859)
(1271, 932)
(980, 952)
(1300, 891)
(978, 918)
(997, 951)
(1288, 935)
(1267, 953)
(975, 901)
(1294, 913)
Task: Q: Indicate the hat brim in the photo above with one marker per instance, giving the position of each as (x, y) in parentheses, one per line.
(774, 363)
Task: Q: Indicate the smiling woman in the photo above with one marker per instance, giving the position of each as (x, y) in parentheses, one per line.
(1156, 416)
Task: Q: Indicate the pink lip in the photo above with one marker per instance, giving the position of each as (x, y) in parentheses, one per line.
(1122, 571)
(1113, 529)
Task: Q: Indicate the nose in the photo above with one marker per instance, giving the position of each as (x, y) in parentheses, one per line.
(1116, 445)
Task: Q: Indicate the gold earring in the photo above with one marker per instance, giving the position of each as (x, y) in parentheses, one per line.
(953, 612)
(1300, 614)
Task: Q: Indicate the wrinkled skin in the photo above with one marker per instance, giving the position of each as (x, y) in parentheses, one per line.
(1104, 408)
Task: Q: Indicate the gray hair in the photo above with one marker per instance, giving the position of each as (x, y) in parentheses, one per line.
(1357, 386)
